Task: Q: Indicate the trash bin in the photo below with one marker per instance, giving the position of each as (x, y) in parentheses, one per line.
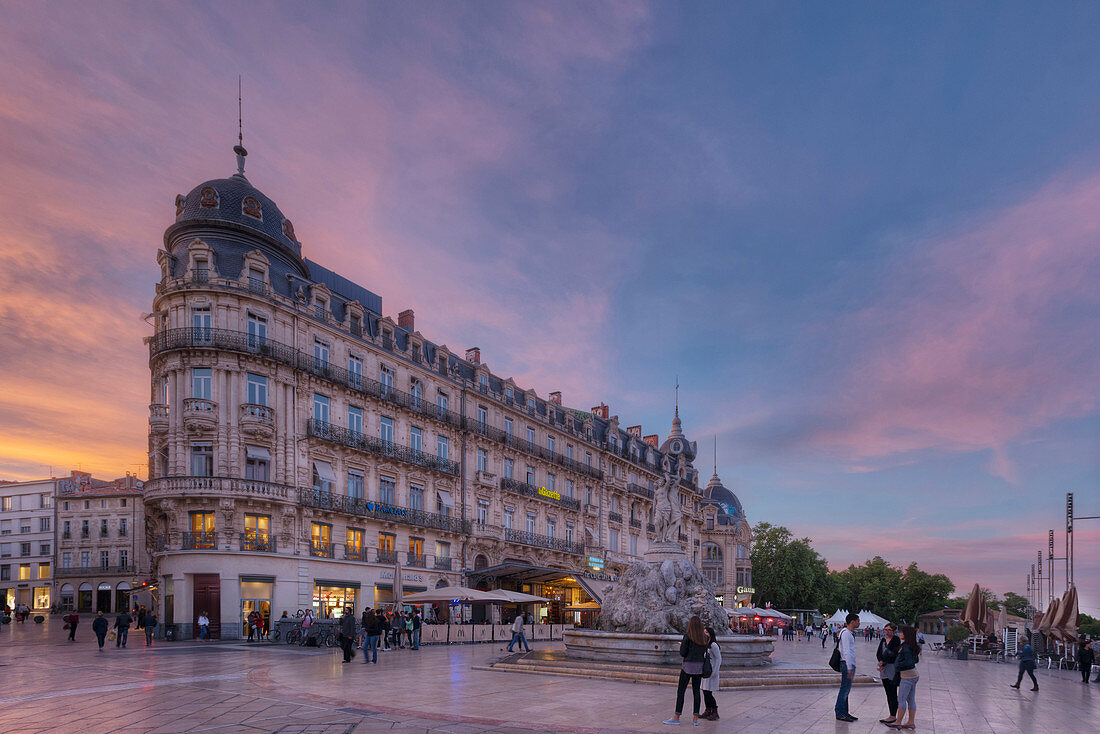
(171, 631)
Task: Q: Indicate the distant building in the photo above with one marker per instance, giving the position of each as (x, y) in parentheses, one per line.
(101, 553)
(27, 543)
(727, 540)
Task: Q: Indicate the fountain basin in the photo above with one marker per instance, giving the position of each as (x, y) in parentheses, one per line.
(738, 651)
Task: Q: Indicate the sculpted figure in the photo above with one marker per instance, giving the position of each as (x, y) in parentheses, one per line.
(667, 515)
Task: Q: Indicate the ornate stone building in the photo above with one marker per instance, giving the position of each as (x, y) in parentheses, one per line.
(305, 449)
(727, 540)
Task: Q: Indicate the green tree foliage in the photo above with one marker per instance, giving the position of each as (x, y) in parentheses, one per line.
(921, 592)
(1088, 626)
(786, 571)
(1016, 604)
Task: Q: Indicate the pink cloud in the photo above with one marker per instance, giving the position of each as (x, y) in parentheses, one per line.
(981, 339)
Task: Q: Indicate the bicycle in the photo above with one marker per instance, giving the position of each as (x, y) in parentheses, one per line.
(294, 636)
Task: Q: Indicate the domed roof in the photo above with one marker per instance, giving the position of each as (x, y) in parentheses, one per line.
(235, 200)
(717, 494)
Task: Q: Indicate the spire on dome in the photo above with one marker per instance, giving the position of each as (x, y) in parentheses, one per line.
(677, 427)
(239, 147)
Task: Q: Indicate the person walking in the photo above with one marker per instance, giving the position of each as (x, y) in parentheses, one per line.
(887, 653)
(906, 664)
(1084, 659)
(847, 644)
(73, 620)
(824, 636)
(409, 628)
(99, 627)
(122, 624)
(204, 626)
(517, 634)
(384, 625)
(693, 649)
(347, 634)
(1027, 664)
(710, 685)
(307, 626)
(372, 629)
(149, 624)
(417, 623)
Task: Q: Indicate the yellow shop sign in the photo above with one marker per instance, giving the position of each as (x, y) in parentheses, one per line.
(549, 493)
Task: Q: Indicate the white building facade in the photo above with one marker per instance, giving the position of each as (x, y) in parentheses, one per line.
(27, 543)
(305, 449)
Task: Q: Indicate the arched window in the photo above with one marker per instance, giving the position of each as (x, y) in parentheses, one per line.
(480, 562)
(742, 552)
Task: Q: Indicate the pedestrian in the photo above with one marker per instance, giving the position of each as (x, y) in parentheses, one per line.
(824, 636)
(1084, 659)
(384, 625)
(149, 624)
(847, 645)
(347, 634)
(887, 653)
(204, 626)
(710, 685)
(517, 633)
(906, 665)
(72, 620)
(99, 627)
(409, 628)
(141, 617)
(307, 626)
(417, 623)
(372, 629)
(254, 624)
(1027, 664)
(693, 649)
(122, 625)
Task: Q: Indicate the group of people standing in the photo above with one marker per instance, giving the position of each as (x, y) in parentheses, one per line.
(898, 655)
(702, 660)
(377, 629)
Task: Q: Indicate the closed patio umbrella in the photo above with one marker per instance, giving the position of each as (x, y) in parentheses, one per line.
(1048, 618)
(1002, 620)
(974, 616)
(1064, 627)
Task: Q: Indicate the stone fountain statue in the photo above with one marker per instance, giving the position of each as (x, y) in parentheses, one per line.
(660, 594)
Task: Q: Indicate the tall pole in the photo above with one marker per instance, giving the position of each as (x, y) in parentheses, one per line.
(1039, 586)
(1050, 560)
(1069, 540)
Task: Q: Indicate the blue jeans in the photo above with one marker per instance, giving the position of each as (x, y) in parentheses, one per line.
(416, 639)
(841, 708)
(371, 645)
(204, 632)
(120, 640)
(518, 637)
(907, 695)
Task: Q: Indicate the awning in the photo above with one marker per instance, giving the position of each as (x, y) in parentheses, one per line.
(338, 584)
(445, 498)
(258, 452)
(538, 574)
(324, 470)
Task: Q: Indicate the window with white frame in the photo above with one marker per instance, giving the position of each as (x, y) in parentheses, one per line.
(355, 419)
(257, 389)
(551, 528)
(320, 408)
(386, 430)
(530, 435)
(202, 460)
(509, 468)
(355, 371)
(257, 331)
(416, 497)
(530, 474)
(355, 484)
(416, 439)
(320, 354)
(482, 460)
(202, 383)
(483, 511)
(387, 491)
(509, 517)
(531, 522)
(569, 488)
(386, 378)
(508, 426)
(442, 447)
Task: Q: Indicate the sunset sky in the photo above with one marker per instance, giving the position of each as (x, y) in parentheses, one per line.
(868, 244)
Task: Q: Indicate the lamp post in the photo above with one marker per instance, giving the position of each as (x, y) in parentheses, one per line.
(1070, 517)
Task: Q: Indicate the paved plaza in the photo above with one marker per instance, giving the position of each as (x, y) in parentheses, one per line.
(53, 685)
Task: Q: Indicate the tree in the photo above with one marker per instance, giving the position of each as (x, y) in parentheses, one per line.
(1017, 605)
(1087, 625)
(888, 591)
(921, 592)
(786, 571)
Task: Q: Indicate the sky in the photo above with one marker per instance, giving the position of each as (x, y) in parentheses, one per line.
(863, 238)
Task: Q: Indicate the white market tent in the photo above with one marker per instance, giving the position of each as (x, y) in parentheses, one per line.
(838, 617)
(870, 619)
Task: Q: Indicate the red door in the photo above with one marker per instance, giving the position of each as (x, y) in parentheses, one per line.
(208, 598)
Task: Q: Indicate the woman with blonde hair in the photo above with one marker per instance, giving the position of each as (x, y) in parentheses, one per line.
(693, 649)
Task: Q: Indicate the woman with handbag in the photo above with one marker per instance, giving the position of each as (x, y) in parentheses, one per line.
(906, 675)
(693, 649)
(887, 653)
(711, 683)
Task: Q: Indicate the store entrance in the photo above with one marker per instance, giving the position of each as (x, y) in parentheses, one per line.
(103, 598)
(250, 605)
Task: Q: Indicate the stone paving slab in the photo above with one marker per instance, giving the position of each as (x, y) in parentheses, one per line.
(234, 688)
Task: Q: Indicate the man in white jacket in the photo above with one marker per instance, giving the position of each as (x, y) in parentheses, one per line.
(848, 666)
(517, 634)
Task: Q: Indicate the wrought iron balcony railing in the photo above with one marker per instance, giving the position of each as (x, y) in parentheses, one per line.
(365, 508)
(639, 490)
(206, 540)
(542, 541)
(530, 490)
(252, 540)
(321, 550)
(614, 517)
(636, 524)
(416, 560)
(362, 442)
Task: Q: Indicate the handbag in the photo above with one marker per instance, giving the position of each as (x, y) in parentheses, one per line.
(708, 668)
(834, 660)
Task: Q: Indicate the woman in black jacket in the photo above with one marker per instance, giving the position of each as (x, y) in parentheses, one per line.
(693, 649)
(887, 653)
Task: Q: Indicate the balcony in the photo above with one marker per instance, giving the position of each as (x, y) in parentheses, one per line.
(529, 490)
(200, 541)
(387, 556)
(650, 527)
(200, 415)
(636, 524)
(257, 420)
(160, 543)
(356, 553)
(416, 560)
(542, 541)
(639, 490)
(95, 570)
(216, 487)
(66, 535)
(363, 508)
(361, 442)
(257, 542)
(485, 478)
(257, 285)
(318, 549)
(158, 418)
(615, 517)
(442, 563)
(593, 510)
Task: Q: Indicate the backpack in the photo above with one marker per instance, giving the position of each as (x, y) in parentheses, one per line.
(835, 661)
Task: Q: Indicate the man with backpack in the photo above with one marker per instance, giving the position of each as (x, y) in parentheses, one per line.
(846, 644)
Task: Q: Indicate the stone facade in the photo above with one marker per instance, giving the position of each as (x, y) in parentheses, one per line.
(26, 543)
(302, 444)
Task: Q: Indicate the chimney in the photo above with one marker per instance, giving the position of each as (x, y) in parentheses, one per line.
(555, 397)
(601, 410)
(652, 440)
(406, 319)
(635, 431)
(473, 354)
